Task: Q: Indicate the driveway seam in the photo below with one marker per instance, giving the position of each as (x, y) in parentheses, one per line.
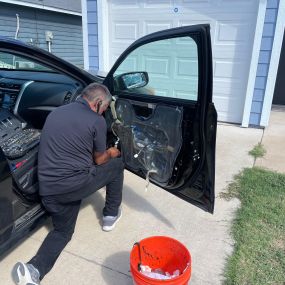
(97, 263)
(91, 261)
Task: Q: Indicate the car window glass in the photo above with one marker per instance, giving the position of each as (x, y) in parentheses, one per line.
(171, 66)
(15, 62)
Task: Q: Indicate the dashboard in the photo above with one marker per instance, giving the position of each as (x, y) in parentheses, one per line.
(9, 92)
(31, 95)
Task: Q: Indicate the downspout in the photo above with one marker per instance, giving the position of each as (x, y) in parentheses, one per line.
(49, 46)
(16, 34)
(18, 26)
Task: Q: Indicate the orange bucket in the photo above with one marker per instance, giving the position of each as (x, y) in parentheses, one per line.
(161, 252)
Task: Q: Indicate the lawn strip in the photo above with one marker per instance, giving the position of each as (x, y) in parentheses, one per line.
(258, 229)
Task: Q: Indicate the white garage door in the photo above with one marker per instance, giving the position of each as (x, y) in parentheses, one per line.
(232, 29)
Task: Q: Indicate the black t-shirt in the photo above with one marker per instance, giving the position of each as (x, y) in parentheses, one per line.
(69, 138)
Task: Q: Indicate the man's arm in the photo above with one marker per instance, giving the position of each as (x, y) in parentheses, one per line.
(103, 157)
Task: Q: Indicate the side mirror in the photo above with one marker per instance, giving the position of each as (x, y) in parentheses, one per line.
(131, 80)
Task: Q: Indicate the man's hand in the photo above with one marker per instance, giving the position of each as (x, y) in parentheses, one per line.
(103, 157)
(113, 152)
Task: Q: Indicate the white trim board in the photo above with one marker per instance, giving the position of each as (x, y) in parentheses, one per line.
(103, 34)
(254, 62)
(274, 63)
(85, 34)
(41, 6)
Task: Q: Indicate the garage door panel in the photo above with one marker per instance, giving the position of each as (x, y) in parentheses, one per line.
(232, 31)
(227, 111)
(229, 117)
(131, 63)
(186, 68)
(228, 93)
(202, 20)
(230, 88)
(125, 31)
(239, 6)
(225, 104)
(250, 5)
(197, 2)
(157, 3)
(155, 26)
(193, 4)
(229, 69)
(116, 53)
(217, 16)
(158, 65)
(234, 53)
(226, 32)
(123, 4)
(213, 8)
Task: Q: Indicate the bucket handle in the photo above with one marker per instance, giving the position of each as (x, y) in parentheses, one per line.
(140, 256)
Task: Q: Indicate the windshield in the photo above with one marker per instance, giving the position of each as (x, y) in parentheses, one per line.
(15, 62)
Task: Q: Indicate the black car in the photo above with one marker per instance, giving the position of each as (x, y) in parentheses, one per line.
(162, 118)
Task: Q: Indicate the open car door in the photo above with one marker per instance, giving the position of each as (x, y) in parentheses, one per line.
(163, 112)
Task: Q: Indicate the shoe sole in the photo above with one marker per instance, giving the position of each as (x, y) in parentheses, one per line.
(108, 229)
(19, 272)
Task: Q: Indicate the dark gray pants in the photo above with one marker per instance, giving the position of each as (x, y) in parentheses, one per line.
(64, 210)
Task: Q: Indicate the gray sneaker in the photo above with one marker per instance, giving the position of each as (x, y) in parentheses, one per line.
(109, 222)
(25, 274)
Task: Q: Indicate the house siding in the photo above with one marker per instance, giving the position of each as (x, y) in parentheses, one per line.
(92, 20)
(263, 61)
(67, 30)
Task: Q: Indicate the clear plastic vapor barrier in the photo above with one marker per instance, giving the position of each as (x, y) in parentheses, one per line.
(150, 144)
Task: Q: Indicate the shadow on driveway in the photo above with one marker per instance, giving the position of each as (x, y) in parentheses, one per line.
(118, 263)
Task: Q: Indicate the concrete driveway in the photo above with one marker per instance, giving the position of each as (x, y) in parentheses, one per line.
(97, 257)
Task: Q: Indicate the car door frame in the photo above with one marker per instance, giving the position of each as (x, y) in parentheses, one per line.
(201, 35)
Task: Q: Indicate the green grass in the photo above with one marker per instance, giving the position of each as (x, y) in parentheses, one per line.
(258, 230)
(258, 151)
